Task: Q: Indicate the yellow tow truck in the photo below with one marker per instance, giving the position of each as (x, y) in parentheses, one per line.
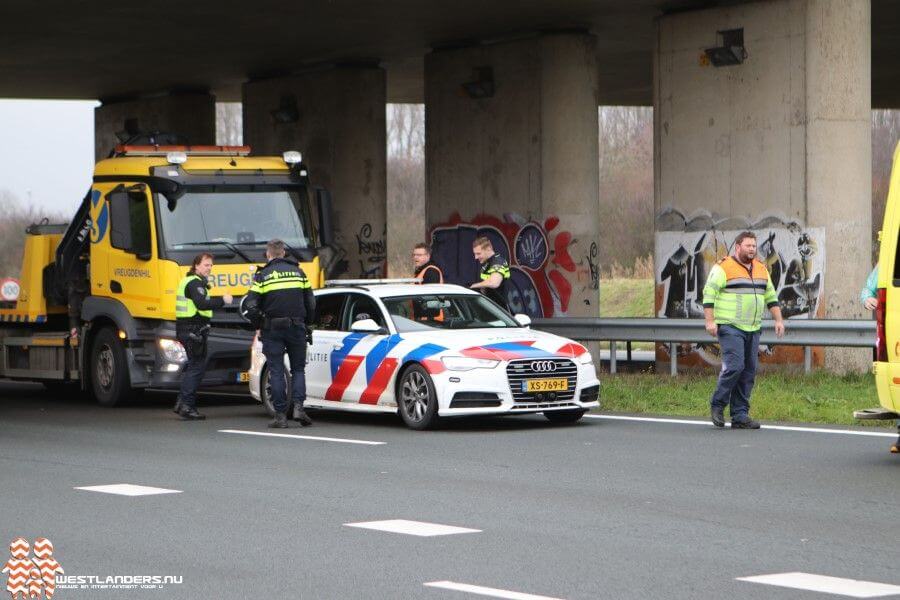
(149, 211)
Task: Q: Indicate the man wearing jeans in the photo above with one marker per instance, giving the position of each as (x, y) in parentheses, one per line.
(737, 293)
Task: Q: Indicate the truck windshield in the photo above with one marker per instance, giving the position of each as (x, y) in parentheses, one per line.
(232, 215)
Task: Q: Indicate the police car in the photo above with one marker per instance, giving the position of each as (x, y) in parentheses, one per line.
(433, 351)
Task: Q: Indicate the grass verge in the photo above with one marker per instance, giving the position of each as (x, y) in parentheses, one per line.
(626, 297)
(817, 398)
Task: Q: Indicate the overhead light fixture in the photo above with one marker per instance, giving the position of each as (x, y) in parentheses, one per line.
(483, 84)
(730, 50)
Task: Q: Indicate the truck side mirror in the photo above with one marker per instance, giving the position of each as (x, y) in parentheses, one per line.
(326, 219)
(130, 221)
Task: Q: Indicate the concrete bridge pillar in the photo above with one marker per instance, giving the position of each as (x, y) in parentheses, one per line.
(780, 144)
(511, 152)
(190, 115)
(336, 119)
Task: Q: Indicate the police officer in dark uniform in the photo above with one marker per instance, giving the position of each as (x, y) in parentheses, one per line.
(282, 302)
(494, 272)
(193, 312)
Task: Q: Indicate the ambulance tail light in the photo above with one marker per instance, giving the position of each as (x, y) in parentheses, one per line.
(881, 332)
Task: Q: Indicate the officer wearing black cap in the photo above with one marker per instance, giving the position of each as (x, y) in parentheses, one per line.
(282, 303)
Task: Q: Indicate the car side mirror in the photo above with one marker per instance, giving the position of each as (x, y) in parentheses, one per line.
(523, 320)
(367, 326)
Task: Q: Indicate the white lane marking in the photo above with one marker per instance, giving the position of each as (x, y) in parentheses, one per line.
(776, 427)
(828, 585)
(485, 591)
(418, 528)
(302, 437)
(127, 489)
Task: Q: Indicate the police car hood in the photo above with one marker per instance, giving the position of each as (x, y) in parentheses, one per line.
(499, 343)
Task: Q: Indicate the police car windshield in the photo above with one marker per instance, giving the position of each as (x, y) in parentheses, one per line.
(234, 216)
(429, 312)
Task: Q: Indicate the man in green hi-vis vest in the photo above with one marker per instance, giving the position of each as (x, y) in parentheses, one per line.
(193, 312)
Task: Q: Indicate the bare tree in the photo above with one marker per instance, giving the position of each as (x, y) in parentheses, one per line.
(626, 185)
(406, 184)
(229, 124)
(15, 218)
(885, 136)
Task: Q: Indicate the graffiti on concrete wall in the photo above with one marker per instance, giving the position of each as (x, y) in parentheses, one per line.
(548, 266)
(687, 248)
(372, 252)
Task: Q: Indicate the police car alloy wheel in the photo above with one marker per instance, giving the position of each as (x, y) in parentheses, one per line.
(265, 393)
(417, 400)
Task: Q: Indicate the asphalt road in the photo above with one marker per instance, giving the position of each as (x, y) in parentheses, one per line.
(601, 509)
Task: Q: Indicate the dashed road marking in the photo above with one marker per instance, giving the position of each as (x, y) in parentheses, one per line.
(128, 489)
(418, 528)
(853, 588)
(775, 427)
(486, 591)
(303, 437)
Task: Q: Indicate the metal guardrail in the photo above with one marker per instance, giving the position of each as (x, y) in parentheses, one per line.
(798, 332)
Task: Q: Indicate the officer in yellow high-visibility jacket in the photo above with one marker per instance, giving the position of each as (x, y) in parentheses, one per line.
(737, 293)
(193, 312)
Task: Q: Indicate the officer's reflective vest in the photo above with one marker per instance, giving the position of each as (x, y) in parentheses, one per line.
(184, 306)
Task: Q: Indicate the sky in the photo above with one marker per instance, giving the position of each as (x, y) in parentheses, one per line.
(47, 151)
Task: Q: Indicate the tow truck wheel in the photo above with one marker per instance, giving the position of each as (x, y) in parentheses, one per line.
(416, 398)
(265, 393)
(564, 416)
(109, 368)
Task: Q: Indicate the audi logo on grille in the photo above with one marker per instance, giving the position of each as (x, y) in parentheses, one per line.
(543, 366)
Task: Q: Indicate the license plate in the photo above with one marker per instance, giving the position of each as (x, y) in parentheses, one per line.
(243, 377)
(546, 385)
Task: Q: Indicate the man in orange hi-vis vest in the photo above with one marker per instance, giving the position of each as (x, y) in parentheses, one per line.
(427, 270)
(737, 293)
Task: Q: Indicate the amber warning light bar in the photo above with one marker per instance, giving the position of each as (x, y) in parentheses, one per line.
(153, 150)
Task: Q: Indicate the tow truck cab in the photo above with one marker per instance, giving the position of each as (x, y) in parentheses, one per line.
(149, 211)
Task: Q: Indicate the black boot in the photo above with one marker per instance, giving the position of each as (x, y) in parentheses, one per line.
(717, 414)
(178, 406)
(301, 416)
(280, 421)
(190, 414)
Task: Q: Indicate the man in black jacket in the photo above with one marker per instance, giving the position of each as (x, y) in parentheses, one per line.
(427, 271)
(282, 297)
(193, 313)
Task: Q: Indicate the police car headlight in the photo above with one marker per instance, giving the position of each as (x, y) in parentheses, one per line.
(172, 350)
(465, 363)
(585, 359)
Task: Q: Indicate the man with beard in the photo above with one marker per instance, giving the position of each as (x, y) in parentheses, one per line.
(737, 293)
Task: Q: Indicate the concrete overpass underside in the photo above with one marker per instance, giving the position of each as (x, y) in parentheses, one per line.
(779, 144)
(107, 50)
